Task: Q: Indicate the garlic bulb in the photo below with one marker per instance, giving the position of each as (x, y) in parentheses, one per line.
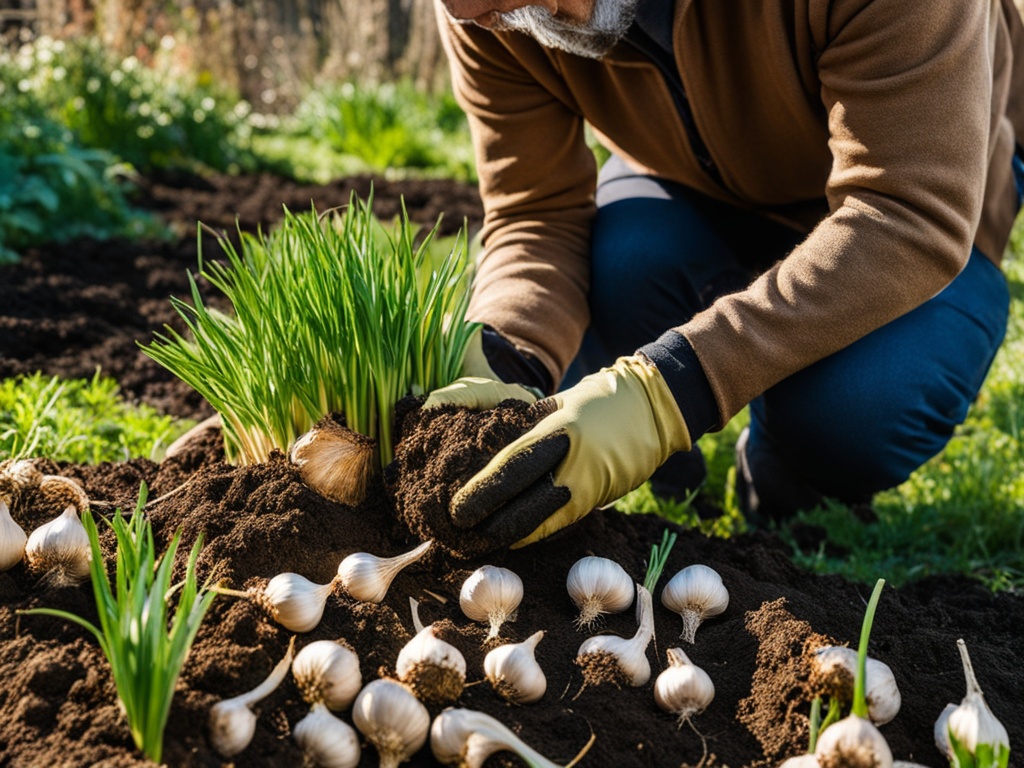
(629, 655)
(59, 492)
(514, 672)
(327, 672)
(60, 549)
(16, 477)
(434, 669)
(800, 761)
(853, 742)
(392, 719)
(12, 539)
(972, 723)
(367, 577)
(491, 594)
(294, 602)
(695, 593)
(598, 586)
(326, 741)
(232, 724)
(833, 670)
(941, 731)
(683, 688)
(335, 461)
(466, 738)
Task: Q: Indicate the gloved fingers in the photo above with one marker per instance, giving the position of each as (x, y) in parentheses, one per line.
(523, 514)
(477, 393)
(573, 510)
(515, 469)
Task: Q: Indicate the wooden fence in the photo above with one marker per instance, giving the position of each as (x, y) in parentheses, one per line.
(269, 50)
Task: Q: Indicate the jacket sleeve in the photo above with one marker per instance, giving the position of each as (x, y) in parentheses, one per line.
(907, 91)
(537, 179)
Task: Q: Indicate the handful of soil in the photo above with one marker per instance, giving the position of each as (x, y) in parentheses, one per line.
(436, 453)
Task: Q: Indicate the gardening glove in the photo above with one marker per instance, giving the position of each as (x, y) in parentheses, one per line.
(479, 387)
(603, 438)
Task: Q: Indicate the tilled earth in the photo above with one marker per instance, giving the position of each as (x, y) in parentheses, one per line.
(68, 309)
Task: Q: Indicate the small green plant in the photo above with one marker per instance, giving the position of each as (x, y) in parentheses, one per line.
(388, 126)
(145, 642)
(332, 313)
(83, 421)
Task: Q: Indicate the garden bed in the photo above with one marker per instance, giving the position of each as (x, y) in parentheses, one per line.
(68, 309)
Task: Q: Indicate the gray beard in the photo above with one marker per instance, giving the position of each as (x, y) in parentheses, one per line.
(592, 39)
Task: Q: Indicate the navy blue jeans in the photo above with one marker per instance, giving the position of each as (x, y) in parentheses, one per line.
(847, 426)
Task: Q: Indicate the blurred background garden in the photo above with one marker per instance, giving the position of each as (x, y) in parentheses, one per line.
(98, 96)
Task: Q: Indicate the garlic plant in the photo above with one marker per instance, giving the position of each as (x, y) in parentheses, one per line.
(232, 724)
(514, 672)
(60, 549)
(326, 741)
(466, 738)
(800, 761)
(335, 461)
(695, 593)
(293, 601)
(367, 577)
(18, 476)
(392, 719)
(434, 669)
(683, 688)
(628, 655)
(855, 742)
(12, 539)
(327, 672)
(491, 594)
(833, 670)
(598, 586)
(969, 734)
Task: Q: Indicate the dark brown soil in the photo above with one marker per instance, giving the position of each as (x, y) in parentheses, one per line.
(57, 700)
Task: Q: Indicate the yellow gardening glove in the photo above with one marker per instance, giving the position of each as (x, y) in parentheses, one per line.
(479, 387)
(603, 438)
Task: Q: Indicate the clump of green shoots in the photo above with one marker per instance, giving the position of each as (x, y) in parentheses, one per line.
(145, 642)
(333, 313)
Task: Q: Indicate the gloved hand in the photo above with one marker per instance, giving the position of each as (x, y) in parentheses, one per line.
(603, 438)
(479, 387)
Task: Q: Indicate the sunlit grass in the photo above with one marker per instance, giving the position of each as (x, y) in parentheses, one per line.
(84, 421)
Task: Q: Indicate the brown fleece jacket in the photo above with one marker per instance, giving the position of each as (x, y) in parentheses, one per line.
(884, 129)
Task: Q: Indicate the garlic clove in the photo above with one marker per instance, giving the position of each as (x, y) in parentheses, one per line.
(853, 742)
(972, 726)
(834, 669)
(391, 718)
(598, 586)
(695, 593)
(466, 738)
(294, 602)
(232, 724)
(327, 672)
(335, 461)
(491, 594)
(60, 549)
(12, 539)
(367, 577)
(683, 688)
(514, 673)
(619, 660)
(326, 741)
(434, 669)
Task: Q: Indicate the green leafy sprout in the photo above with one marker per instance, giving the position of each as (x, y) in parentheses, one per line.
(332, 313)
(145, 643)
(659, 557)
